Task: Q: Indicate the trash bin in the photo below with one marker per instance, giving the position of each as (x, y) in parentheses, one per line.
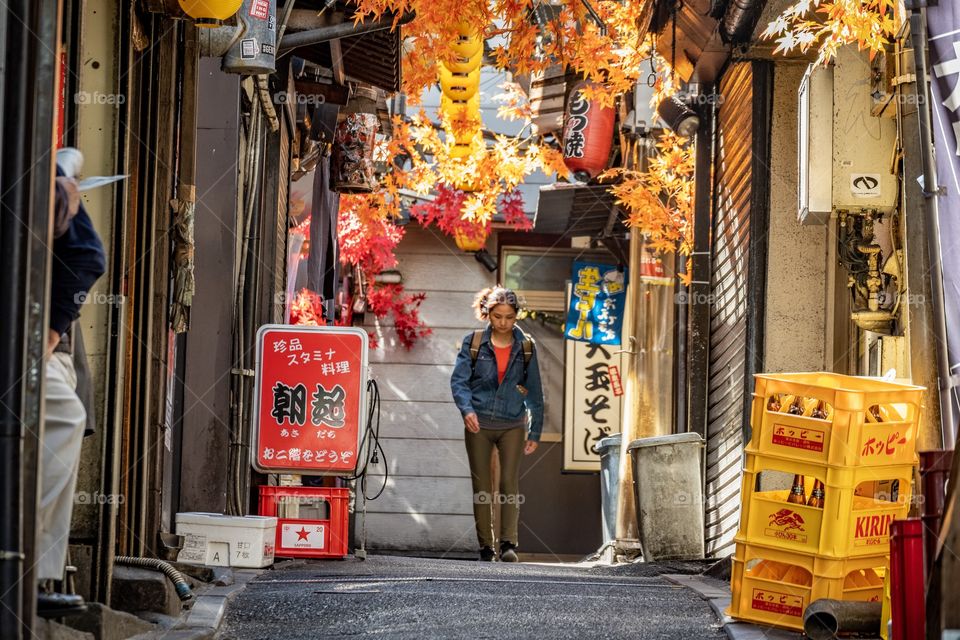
(669, 495)
(609, 450)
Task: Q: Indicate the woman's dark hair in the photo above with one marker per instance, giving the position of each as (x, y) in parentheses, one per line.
(490, 297)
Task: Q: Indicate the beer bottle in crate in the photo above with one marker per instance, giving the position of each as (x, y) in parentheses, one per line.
(796, 407)
(820, 411)
(816, 495)
(797, 492)
(774, 403)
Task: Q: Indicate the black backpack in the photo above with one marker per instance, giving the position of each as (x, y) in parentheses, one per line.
(527, 345)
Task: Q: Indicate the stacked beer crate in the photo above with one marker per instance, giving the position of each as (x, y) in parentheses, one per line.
(828, 468)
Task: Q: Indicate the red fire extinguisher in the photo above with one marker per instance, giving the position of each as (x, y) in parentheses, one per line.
(587, 135)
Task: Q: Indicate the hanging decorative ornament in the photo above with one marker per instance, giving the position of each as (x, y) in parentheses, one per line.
(460, 102)
(471, 239)
(459, 85)
(352, 167)
(210, 13)
(587, 135)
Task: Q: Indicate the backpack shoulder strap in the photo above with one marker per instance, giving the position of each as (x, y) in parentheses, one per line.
(527, 345)
(475, 347)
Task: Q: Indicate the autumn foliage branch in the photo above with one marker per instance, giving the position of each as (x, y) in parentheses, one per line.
(659, 200)
(870, 24)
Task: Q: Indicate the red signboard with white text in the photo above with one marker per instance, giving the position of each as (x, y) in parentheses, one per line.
(310, 399)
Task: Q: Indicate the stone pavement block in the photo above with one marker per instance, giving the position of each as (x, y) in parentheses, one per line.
(178, 634)
(207, 612)
(106, 624)
(49, 630)
(136, 589)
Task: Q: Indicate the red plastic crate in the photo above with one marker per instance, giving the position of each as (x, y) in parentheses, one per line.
(303, 538)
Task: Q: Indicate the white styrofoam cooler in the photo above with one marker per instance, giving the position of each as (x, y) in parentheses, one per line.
(217, 540)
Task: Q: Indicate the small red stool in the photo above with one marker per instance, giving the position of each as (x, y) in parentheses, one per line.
(309, 538)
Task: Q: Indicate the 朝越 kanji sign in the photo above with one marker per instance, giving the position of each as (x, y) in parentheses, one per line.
(310, 397)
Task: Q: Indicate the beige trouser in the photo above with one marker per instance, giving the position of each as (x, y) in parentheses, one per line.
(64, 421)
(509, 443)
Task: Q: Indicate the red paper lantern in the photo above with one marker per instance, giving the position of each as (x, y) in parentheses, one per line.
(587, 135)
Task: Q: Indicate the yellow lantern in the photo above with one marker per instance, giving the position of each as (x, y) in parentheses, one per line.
(472, 241)
(461, 150)
(454, 108)
(459, 86)
(209, 13)
(467, 45)
(465, 65)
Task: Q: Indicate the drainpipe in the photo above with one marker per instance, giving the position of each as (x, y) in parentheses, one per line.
(931, 219)
(342, 30)
(739, 20)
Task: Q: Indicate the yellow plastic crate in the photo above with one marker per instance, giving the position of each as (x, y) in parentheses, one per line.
(847, 438)
(774, 587)
(848, 525)
(885, 609)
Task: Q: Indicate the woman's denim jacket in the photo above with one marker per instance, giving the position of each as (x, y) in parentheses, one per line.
(479, 392)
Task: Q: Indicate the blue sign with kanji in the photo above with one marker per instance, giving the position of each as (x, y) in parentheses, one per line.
(597, 303)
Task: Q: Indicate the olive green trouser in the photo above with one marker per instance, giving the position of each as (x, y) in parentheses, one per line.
(509, 443)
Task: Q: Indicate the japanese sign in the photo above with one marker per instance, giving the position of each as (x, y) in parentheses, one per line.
(597, 304)
(576, 124)
(592, 402)
(310, 399)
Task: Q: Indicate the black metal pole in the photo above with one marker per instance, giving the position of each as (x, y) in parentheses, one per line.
(27, 92)
(14, 267)
(698, 314)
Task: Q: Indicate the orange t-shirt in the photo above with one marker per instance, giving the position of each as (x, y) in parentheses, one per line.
(503, 359)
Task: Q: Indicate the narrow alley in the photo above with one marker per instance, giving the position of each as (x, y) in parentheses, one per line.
(479, 319)
(399, 597)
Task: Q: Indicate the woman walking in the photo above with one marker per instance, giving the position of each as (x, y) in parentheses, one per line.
(496, 386)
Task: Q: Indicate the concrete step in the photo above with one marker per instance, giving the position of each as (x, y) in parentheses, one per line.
(105, 623)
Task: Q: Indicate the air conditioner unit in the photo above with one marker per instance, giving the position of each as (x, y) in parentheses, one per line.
(844, 153)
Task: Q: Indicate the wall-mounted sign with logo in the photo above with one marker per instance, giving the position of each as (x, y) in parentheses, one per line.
(598, 303)
(310, 399)
(865, 185)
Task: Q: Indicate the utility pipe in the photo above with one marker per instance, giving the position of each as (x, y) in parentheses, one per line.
(825, 618)
(931, 219)
(342, 30)
(179, 583)
(739, 18)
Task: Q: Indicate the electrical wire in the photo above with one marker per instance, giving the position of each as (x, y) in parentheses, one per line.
(370, 444)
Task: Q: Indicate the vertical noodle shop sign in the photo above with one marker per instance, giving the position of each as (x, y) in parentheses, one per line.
(593, 395)
(310, 399)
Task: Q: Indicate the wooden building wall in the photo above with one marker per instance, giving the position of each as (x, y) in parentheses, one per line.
(427, 503)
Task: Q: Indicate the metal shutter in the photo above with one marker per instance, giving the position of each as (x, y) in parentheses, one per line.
(740, 186)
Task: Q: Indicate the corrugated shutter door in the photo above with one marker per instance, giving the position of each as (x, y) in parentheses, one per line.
(728, 314)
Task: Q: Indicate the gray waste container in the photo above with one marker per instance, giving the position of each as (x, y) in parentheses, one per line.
(669, 495)
(609, 450)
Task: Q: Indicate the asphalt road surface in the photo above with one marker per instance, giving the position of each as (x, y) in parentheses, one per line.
(396, 597)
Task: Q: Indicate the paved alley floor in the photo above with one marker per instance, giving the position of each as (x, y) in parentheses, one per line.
(397, 597)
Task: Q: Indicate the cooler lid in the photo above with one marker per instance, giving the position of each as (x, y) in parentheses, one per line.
(221, 520)
(673, 438)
